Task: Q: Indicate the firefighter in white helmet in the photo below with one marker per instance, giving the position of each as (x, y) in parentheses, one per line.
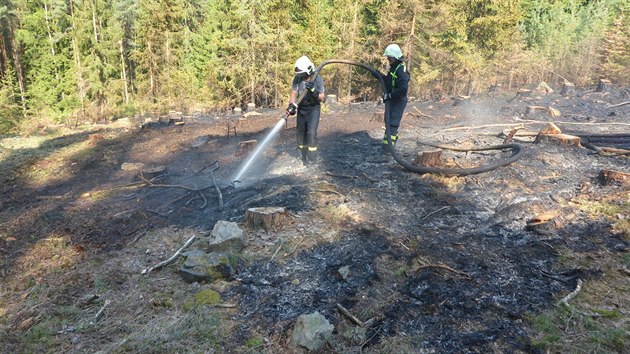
(308, 110)
(397, 84)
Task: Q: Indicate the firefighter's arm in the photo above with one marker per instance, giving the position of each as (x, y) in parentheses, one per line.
(402, 84)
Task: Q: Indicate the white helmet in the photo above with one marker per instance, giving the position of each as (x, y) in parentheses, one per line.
(304, 65)
(393, 51)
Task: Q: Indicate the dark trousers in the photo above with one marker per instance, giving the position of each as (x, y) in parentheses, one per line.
(396, 109)
(307, 122)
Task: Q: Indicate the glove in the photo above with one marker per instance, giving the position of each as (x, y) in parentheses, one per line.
(310, 85)
(387, 97)
(292, 109)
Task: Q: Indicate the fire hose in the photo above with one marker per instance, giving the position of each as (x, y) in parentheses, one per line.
(517, 149)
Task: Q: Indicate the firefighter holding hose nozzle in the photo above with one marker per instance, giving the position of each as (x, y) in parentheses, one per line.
(308, 109)
(397, 84)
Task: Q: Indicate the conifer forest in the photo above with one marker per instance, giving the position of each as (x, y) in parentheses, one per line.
(96, 60)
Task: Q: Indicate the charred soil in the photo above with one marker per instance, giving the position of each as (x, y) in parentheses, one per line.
(432, 263)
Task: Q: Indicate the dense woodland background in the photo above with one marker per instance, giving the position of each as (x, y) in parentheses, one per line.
(68, 61)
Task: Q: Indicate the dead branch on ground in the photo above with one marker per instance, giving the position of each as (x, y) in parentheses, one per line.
(214, 181)
(192, 189)
(619, 104)
(433, 212)
(172, 259)
(422, 114)
(344, 311)
(100, 312)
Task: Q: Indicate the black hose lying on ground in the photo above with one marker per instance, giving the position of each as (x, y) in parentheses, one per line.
(517, 149)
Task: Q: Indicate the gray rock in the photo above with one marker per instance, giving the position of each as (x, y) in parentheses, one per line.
(344, 272)
(226, 236)
(311, 331)
(203, 267)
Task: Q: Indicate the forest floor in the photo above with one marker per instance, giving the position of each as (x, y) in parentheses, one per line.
(436, 263)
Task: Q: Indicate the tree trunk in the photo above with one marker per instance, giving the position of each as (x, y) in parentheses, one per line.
(94, 25)
(123, 70)
(77, 58)
(18, 72)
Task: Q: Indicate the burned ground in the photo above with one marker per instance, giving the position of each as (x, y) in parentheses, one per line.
(436, 263)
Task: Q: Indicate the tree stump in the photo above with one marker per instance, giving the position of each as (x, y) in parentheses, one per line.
(567, 88)
(149, 172)
(521, 93)
(460, 100)
(550, 128)
(493, 89)
(544, 89)
(603, 85)
(231, 127)
(428, 158)
(610, 177)
(266, 217)
(554, 113)
(251, 107)
(331, 99)
(562, 139)
(530, 110)
(545, 223)
(246, 146)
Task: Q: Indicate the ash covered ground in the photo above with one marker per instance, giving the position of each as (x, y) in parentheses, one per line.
(438, 263)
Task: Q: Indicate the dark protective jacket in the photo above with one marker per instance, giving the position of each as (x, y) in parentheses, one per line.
(397, 81)
(310, 99)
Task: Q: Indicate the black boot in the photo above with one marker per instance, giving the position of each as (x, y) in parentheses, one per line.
(304, 155)
(313, 158)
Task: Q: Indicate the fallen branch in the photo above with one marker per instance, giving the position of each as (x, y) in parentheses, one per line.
(619, 104)
(214, 181)
(277, 250)
(226, 306)
(441, 266)
(574, 123)
(205, 201)
(192, 189)
(170, 260)
(350, 316)
(431, 213)
(100, 312)
(370, 178)
(422, 114)
(565, 300)
(164, 215)
(488, 126)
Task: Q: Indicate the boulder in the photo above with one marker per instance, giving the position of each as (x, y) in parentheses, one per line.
(206, 267)
(311, 331)
(226, 236)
